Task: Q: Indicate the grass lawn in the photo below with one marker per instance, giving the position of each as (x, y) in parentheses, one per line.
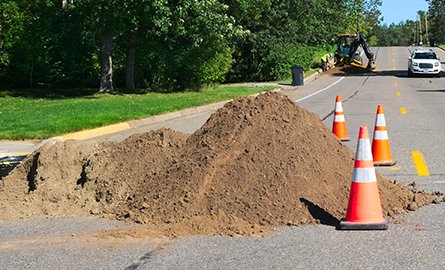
(315, 67)
(39, 118)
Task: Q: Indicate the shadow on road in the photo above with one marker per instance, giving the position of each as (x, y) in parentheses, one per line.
(319, 213)
(360, 72)
(355, 71)
(431, 91)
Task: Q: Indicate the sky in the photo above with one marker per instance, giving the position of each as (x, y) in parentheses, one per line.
(395, 11)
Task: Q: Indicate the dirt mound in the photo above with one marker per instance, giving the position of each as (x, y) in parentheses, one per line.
(46, 183)
(257, 163)
(350, 70)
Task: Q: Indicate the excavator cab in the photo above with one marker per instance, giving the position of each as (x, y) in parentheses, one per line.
(344, 44)
(347, 51)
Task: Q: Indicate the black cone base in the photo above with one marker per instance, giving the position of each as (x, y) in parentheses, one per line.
(349, 226)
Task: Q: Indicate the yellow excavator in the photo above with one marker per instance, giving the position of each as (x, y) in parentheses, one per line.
(347, 51)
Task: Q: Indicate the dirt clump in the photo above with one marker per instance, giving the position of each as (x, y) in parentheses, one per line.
(257, 163)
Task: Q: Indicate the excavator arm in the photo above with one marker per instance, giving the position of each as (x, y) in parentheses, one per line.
(360, 40)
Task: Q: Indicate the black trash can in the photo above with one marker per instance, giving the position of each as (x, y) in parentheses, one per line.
(297, 75)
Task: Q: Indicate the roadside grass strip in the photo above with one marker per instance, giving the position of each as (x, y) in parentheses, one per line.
(419, 162)
(28, 117)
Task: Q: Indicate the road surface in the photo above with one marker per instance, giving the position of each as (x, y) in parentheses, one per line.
(415, 116)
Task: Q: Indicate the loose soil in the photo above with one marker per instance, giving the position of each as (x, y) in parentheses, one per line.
(257, 163)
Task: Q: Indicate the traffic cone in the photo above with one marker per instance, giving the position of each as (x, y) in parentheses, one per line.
(364, 208)
(380, 143)
(339, 125)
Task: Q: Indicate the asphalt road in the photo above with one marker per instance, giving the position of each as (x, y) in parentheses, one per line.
(415, 116)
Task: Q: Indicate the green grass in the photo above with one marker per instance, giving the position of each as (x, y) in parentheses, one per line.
(316, 65)
(28, 117)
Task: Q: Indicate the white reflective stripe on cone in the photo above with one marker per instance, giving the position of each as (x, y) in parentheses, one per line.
(338, 107)
(380, 121)
(365, 146)
(339, 118)
(381, 135)
(364, 175)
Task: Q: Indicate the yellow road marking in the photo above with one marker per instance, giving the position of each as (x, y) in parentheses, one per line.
(396, 84)
(419, 162)
(403, 110)
(398, 94)
(393, 60)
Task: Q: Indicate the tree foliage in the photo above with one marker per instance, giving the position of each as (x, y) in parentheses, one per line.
(401, 34)
(436, 13)
(11, 27)
(167, 44)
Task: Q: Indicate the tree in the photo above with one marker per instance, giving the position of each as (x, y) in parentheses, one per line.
(436, 13)
(282, 32)
(401, 34)
(11, 28)
(142, 20)
(167, 44)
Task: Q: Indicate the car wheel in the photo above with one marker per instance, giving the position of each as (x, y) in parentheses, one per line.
(410, 73)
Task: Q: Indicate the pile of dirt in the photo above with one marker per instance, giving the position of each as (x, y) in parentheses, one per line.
(257, 163)
(351, 70)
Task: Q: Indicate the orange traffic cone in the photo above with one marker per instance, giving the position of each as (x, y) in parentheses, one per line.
(339, 125)
(380, 143)
(364, 208)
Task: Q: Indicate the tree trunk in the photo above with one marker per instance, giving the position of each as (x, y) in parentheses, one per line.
(106, 80)
(31, 71)
(131, 59)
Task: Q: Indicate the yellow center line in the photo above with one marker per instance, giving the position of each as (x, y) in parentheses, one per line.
(419, 162)
(398, 94)
(403, 110)
(396, 84)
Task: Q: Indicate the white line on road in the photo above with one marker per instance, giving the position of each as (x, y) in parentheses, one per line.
(322, 90)
(439, 182)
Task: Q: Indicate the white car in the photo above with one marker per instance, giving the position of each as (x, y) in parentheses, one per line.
(424, 62)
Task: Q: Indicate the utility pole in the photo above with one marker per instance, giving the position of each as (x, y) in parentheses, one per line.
(426, 27)
(415, 32)
(420, 30)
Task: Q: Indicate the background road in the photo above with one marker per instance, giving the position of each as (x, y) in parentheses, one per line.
(415, 115)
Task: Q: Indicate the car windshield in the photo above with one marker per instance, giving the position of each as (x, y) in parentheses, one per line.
(425, 56)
